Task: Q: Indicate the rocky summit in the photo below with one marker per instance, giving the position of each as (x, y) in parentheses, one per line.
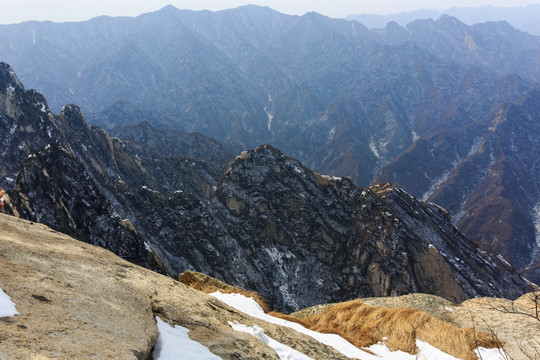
(264, 222)
(342, 240)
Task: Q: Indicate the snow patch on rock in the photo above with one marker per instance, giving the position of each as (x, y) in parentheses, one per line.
(174, 343)
(438, 182)
(455, 164)
(7, 307)
(491, 354)
(331, 134)
(283, 351)
(374, 150)
(536, 222)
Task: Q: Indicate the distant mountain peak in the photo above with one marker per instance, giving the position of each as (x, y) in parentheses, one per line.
(124, 105)
(255, 7)
(168, 8)
(315, 16)
(445, 18)
(268, 156)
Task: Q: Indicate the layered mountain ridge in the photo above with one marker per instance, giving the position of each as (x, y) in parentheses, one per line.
(265, 222)
(524, 18)
(491, 189)
(341, 98)
(405, 104)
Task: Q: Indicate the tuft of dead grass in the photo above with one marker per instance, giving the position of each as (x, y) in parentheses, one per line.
(208, 284)
(365, 325)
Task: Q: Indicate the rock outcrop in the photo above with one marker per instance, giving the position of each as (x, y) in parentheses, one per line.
(300, 238)
(514, 323)
(78, 301)
(48, 183)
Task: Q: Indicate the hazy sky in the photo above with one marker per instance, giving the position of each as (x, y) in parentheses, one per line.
(14, 11)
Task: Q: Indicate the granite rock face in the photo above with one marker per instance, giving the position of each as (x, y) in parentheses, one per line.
(78, 301)
(34, 127)
(47, 182)
(275, 226)
(54, 188)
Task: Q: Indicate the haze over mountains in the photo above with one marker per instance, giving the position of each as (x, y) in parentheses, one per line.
(524, 18)
(446, 110)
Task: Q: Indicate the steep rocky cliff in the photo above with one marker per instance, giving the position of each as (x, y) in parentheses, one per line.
(26, 124)
(54, 188)
(301, 238)
(48, 183)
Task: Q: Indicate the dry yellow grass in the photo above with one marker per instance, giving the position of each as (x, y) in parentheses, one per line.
(207, 284)
(365, 325)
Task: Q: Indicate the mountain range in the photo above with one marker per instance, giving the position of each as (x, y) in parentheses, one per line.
(264, 222)
(194, 144)
(524, 18)
(446, 110)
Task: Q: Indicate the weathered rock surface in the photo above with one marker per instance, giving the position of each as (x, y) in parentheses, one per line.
(49, 184)
(34, 128)
(275, 226)
(78, 301)
(54, 188)
(70, 176)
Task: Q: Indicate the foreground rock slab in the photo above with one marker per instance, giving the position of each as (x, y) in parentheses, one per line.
(78, 301)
